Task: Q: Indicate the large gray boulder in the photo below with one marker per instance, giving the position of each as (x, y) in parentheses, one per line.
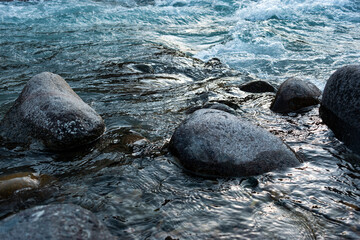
(48, 110)
(294, 95)
(340, 106)
(215, 143)
(55, 221)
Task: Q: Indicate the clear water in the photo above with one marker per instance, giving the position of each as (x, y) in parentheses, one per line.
(140, 64)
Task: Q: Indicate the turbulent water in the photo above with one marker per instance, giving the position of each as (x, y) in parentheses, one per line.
(142, 65)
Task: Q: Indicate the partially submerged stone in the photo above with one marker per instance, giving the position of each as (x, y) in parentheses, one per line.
(340, 106)
(11, 183)
(213, 105)
(48, 110)
(214, 63)
(55, 221)
(257, 87)
(215, 143)
(295, 94)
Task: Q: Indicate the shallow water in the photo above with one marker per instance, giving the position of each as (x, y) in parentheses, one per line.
(142, 65)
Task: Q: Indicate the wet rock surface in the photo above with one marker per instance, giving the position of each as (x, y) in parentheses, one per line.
(294, 95)
(50, 111)
(213, 105)
(56, 221)
(11, 183)
(340, 107)
(257, 87)
(216, 143)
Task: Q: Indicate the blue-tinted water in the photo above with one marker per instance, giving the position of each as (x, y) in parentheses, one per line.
(140, 64)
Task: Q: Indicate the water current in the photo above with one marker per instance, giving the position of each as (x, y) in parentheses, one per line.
(142, 64)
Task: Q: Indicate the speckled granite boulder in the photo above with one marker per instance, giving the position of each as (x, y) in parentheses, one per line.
(215, 143)
(56, 221)
(50, 111)
(340, 106)
(295, 94)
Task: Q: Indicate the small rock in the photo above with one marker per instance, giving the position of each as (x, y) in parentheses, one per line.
(215, 143)
(213, 105)
(48, 110)
(11, 183)
(170, 238)
(214, 63)
(295, 94)
(340, 106)
(220, 106)
(55, 221)
(144, 68)
(257, 87)
(124, 140)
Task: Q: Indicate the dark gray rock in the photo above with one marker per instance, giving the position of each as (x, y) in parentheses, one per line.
(340, 106)
(215, 143)
(50, 111)
(214, 63)
(144, 68)
(57, 221)
(213, 105)
(257, 87)
(295, 94)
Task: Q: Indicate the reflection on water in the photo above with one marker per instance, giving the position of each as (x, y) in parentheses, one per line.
(143, 90)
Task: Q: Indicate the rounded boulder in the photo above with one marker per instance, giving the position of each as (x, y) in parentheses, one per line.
(215, 143)
(340, 106)
(294, 95)
(48, 110)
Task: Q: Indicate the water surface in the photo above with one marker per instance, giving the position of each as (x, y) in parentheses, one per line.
(141, 65)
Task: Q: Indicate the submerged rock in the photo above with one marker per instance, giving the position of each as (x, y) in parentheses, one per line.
(145, 2)
(213, 105)
(216, 143)
(340, 106)
(214, 63)
(56, 221)
(257, 87)
(295, 94)
(11, 183)
(50, 111)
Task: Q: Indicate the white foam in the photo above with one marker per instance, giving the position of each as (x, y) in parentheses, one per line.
(284, 9)
(259, 47)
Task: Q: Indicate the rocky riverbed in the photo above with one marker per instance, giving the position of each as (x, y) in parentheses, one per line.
(148, 67)
(135, 186)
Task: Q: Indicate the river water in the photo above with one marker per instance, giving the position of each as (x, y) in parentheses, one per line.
(142, 65)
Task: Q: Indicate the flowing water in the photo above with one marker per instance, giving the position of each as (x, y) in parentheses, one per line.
(142, 65)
